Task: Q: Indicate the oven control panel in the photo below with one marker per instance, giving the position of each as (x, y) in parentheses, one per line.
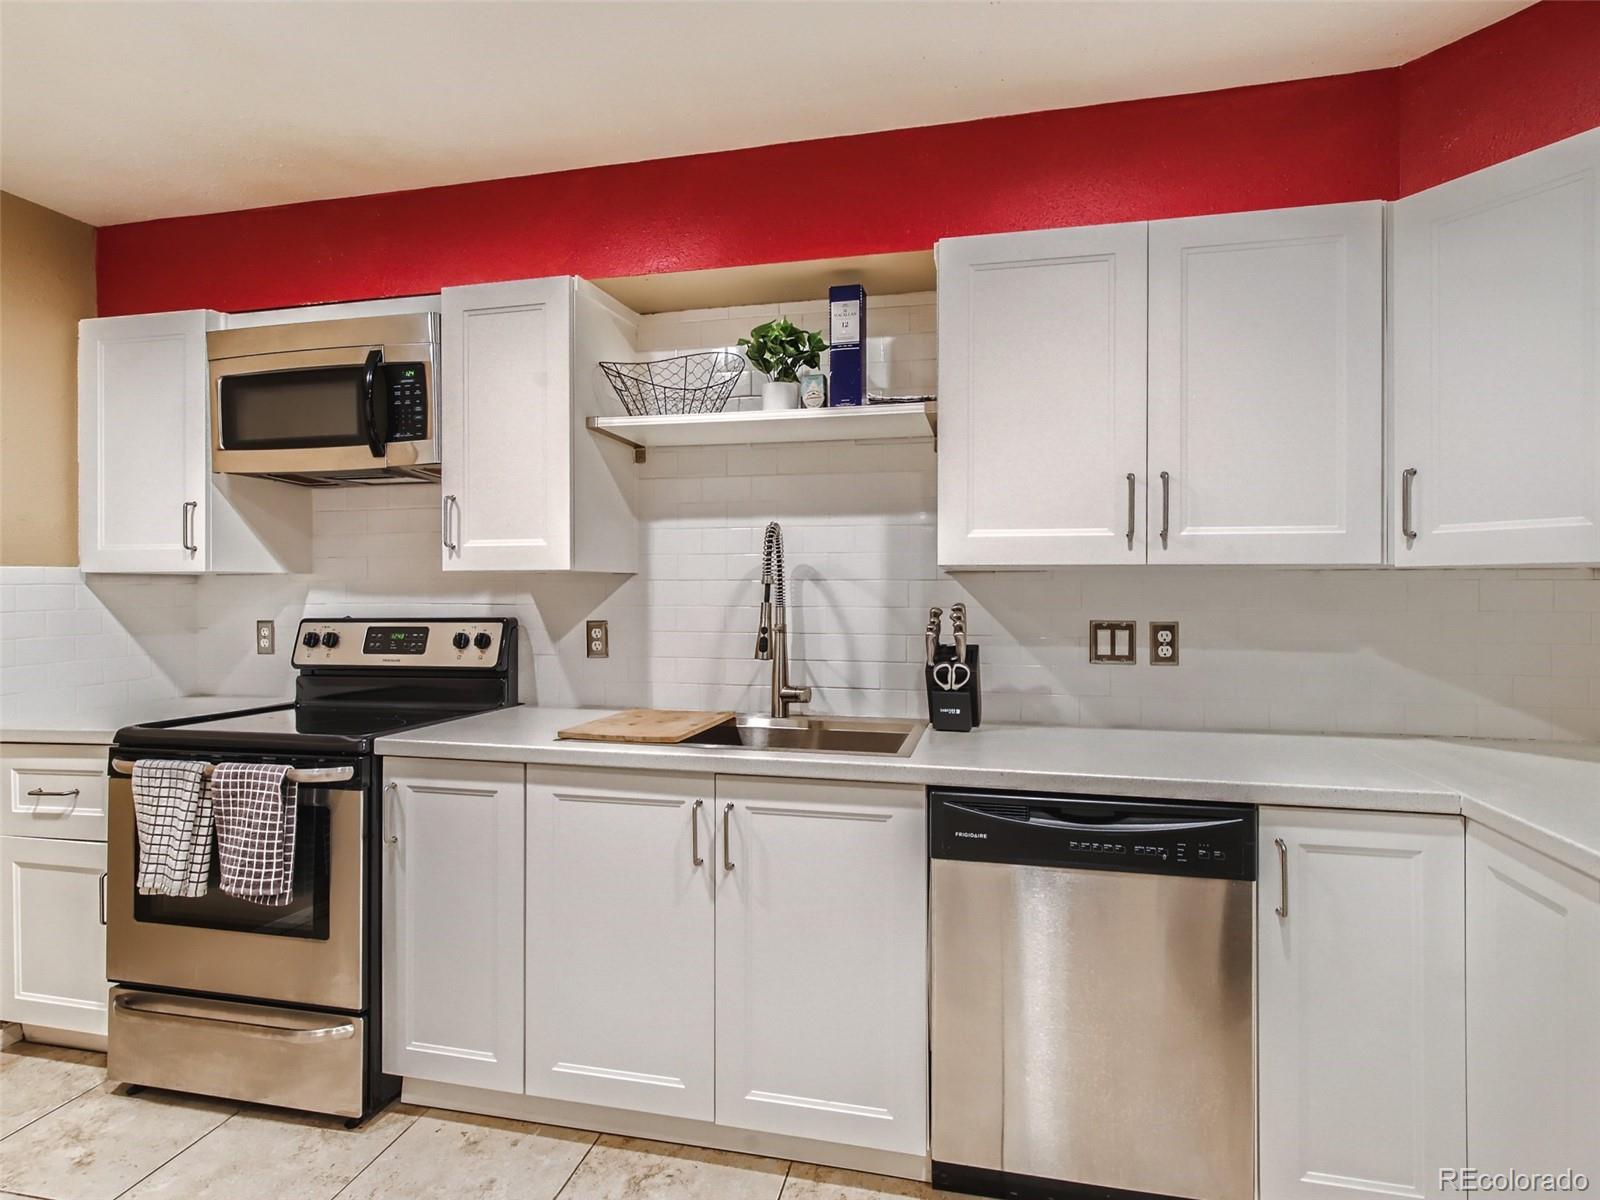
(400, 643)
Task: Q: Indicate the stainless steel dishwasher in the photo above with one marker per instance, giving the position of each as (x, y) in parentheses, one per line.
(1093, 996)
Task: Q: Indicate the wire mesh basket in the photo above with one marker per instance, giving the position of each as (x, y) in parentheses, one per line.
(689, 383)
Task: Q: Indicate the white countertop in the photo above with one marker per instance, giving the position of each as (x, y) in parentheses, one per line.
(1544, 794)
(98, 727)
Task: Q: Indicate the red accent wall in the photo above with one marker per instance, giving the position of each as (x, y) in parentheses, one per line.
(1521, 83)
(1374, 134)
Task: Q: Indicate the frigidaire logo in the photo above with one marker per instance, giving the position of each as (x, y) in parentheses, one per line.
(964, 833)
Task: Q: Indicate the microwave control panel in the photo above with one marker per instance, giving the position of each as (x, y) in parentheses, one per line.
(408, 401)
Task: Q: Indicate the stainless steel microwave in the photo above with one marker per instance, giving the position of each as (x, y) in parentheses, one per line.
(323, 403)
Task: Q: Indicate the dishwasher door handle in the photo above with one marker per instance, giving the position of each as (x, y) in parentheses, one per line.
(1101, 826)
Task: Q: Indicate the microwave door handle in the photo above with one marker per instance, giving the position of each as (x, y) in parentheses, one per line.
(377, 434)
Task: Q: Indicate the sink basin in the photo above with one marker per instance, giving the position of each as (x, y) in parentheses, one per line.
(824, 735)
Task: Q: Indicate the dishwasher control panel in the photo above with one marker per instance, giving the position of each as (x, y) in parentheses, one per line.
(1104, 833)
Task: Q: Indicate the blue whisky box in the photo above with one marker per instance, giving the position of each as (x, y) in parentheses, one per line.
(847, 345)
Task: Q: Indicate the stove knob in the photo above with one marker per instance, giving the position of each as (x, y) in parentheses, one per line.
(330, 639)
(461, 641)
(483, 641)
(311, 640)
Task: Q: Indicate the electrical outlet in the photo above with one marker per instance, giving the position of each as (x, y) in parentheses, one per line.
(1163, 643)
(266, 637)
(597, 639)
(1112, 642)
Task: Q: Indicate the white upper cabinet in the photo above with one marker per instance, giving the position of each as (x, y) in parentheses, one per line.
(1266, 387)
(621, 940)
(822, 950)
(1533, 1010)
(525, 486)
(1042, 397)
(1361, 993)
(147, 500)
(1495, 298)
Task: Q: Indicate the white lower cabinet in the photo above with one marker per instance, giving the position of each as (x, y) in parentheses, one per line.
(52, 937)
(1533, 1011)
(822, 929)
(1361, 990)
(621, 929)
(452, 927)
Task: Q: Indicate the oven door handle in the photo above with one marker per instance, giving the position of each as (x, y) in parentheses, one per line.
(377, 432)
(310, 776)
(201, 1010)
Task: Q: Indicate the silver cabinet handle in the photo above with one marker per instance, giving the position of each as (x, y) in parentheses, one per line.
(1166, 509)
(445, 505)
(727, 813)
(1131, 489)
(390, 789)
(102, 897)
(45, 792)
(189, 507)
(1406, 477)
(694, 833)
(1283, 879)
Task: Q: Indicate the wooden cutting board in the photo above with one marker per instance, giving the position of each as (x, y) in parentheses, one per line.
(658, 726)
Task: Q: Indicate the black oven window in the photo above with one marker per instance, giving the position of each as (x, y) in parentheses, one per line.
(305, 916)
(281, 410)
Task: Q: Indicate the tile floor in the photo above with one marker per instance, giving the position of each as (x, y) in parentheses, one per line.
(66, 1135)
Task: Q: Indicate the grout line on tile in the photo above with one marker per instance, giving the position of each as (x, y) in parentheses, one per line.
(48, 1111)
(595, 1141)
(387, 1146)
(162, 1166)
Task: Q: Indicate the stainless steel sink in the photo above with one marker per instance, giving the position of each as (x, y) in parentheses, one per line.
(819, 735)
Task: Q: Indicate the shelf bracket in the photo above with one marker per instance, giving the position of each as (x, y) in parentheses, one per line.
(639, 453)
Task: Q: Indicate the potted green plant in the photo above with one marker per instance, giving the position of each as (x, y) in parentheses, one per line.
(779, 349)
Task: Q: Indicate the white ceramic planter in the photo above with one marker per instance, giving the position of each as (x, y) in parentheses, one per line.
(776, 396)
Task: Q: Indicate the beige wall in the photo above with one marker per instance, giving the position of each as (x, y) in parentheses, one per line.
(46, 287)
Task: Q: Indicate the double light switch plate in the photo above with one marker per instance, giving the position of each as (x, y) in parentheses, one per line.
(1112, 641)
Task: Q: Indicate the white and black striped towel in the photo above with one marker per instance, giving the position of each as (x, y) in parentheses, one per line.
(172, 818)
(255, 807)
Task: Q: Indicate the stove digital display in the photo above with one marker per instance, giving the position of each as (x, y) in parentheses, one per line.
(396, 639)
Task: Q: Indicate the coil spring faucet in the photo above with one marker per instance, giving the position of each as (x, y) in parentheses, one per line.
(772, 633)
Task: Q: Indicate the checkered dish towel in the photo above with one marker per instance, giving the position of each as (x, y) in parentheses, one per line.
(172, 818)
(255, 805)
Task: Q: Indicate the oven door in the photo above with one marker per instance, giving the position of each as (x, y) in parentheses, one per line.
(342, 409)
(308, 952)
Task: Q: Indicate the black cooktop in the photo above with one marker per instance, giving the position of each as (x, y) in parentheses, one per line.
(289, 729)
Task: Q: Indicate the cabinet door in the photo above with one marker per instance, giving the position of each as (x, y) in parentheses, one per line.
(1266, 387)
(1533, 1010)
(452, 922)
(1496, 329)
(505, 422)
(1042, 398)
(143, 469)
(53, 936)
(822, 942)
(621, 943)
(1361, 994)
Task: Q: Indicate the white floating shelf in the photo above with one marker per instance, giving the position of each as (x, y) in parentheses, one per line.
(868, 421)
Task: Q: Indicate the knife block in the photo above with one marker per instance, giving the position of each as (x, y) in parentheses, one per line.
(961, 710)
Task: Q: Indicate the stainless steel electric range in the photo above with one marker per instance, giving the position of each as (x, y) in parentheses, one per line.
(283, 1005)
